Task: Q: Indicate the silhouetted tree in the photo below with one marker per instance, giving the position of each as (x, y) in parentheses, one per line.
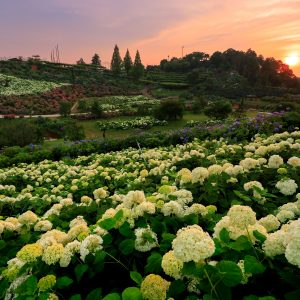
(116, 61)
(138, 67)
(80, 61)
(127, 62)
(96, 60)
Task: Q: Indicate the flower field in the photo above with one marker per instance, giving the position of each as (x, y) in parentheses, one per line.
(204, 220)
(18, 86)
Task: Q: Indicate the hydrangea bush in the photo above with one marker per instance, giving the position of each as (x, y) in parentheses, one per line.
(204, 220)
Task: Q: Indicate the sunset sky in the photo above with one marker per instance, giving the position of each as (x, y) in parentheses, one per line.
(157, 28)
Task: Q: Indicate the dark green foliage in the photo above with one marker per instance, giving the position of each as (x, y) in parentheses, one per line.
(73, 131)
(116, 61)
(65, 108)
(82, 105)
(169, 110)
(96, 109)
(96, 60)
(138, 67)
(219, 109)
(19, 133)
(199, 104)
(80, 61)
(128, 62)
(255, 69)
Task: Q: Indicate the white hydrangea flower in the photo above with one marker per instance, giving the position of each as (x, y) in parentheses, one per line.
(270, 222)
(294, 161)
(43, 226)
(171, 265)
(275, 161)
(172, 208)
(292, 252)
(199, 175)
(145, 239)
(90, 245)
(287, 186)
(273, 245)
(193, 244)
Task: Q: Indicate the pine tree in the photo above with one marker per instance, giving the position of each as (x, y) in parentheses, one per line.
(96, 60)
(116, 61)
(138, 67)
(127, 62)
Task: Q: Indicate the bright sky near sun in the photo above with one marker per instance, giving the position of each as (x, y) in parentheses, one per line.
(157, 28)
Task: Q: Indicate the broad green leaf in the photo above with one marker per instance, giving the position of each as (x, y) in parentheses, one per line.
(189, 269)
(2, 244)
(99, 261)
(193, 297)
(294, 295)
(241, 243)
(127, 246)
(119, 215)
(259, 236)
(230, 272)
(95, 294)
(243, 197)
(136, 277)
(80, 270)
(224, 236)
(63, 282)
(154, 263)
(250, 297)
(108, 224)
(191, 219)
(166, 242)
(207, 297)
(252, 265)
(126, 231)
(176, 288)
(132, 293)
(112, 296)
(28, 287)
(75, 297)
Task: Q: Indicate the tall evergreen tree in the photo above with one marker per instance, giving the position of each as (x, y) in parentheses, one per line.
(96, 60)
(138, 67)
(116, 61)
(127, 62)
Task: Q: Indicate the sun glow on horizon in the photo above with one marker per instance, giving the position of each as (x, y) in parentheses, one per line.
(292, 59)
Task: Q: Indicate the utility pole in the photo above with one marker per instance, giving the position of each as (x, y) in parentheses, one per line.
(182, 51)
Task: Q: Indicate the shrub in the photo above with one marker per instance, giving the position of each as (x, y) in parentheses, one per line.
(219, 110)
(169, 110)
(96, 109)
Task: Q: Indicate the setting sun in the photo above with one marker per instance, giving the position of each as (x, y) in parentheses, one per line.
(292, 60)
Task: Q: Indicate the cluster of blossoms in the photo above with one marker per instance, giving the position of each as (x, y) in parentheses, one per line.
(285, 241)
(193, 244)
(154, 287)
(240, 221)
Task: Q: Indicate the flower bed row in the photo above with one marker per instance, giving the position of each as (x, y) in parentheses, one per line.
(208, 220)
(18, 86)
(141, 122)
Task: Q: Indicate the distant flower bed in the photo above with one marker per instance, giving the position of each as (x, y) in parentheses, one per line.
(13, 86)
(122, 105)
(142, 122)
